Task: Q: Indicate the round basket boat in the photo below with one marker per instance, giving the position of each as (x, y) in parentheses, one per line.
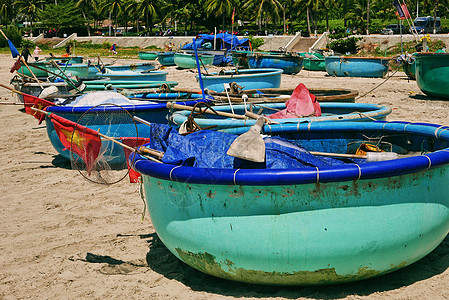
(432, 74)
(283, 94)
(329, 112)
(352, 66)
(308, 226)
(108, 120)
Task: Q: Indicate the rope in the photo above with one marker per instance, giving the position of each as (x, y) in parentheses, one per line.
(386, 79)
(143, 199)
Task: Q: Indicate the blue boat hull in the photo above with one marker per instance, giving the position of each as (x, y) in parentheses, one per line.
(139, 76)
(288, 63)
(248, 79)
(341, 66)
(166, 59)
(362, 112)
(307, 226)
(108, 120)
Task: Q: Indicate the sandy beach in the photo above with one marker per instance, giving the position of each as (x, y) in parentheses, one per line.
(62, 237)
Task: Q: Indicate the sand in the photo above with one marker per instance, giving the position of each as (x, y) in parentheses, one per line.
(63, 237)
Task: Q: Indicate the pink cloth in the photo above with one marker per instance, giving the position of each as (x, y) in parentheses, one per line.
(301, 104)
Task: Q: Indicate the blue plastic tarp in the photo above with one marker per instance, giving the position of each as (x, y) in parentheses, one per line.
(207, 149)
(223, 41)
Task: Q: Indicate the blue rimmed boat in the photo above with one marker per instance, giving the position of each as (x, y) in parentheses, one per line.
(315, 225)
(353, 66)
(290, 63)
(137, 67)
(101, 85)
(247, 79)
(108, 119)
(149, 75)
(329, 112)
(166, 58)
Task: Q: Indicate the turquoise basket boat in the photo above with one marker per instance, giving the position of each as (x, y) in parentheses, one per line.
(248, 79)
(80, 70)
(69, 59)
(350, 66)
(148, 55)
(329, 112)
(313, 61)
(308, 226)
(166, 58)
(283, 95)
(432, 70)
(101, 85)
(37, 72)
(132, 76)
(290, 63)
(188, 60)
(109, 121)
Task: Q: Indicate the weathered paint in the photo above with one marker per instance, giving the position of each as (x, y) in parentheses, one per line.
(309, 234)
(207, 263)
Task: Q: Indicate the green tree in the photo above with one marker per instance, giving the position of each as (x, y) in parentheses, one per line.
(149, 9)
(29, 8)
(263, 9)
(7, 12)
(61, 15)
(219, 8)
(113, 8)
(86, 6)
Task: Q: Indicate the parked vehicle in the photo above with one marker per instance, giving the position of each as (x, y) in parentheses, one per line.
(394, 29)
(427, 24)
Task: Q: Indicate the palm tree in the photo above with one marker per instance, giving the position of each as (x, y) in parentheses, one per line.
(28, 8)
(114, 8)
(219, 7)
(85, 6)
(149, 9)
(6, 11)
(263, 8)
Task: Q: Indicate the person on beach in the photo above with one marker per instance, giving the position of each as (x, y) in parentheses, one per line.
(113, 49)
(68, 49)
(36, 52)
(25, 53)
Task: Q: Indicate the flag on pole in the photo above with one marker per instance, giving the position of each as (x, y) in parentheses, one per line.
(405, 11)
(12, 48)
(399, 12)
(233, 14)
(81, 140)
(16, 66)
(134, 143)
(36, 102)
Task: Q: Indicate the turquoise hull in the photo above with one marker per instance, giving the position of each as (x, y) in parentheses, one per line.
(80, 70)
(102, 85)
(166, 58)
(137, 76)
(70, 59)
(314, 61)
(128, 67)
(249, 79)
(147, 55)
(188, 60)
(306, 226)
(362, 112)
(342, 66)
(290, 64)
(432, 70)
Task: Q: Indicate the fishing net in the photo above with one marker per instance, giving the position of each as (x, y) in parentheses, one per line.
(105, 164)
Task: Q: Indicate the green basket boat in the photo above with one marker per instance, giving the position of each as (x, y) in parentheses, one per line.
(432, 74)
(188, 60)
(148, 55)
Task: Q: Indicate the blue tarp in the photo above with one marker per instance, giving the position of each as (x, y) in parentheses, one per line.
(224, 41)
(207, 149)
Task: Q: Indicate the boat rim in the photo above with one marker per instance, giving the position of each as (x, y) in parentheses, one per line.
(349, 172)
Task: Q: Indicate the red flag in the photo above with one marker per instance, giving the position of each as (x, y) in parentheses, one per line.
(16, 66)
(36, 102)
(405, 11)
(83, 141)
(233, 14)
(134, 143)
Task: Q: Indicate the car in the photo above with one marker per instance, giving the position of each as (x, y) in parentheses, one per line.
(394, 29)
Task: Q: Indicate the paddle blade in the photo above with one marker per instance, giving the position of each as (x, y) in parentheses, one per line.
(13, 49)
(250, 145)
